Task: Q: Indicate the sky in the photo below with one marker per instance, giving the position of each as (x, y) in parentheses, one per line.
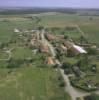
(50, 3)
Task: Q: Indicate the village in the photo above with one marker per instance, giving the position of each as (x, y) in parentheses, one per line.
(73, 59)
(70, 57)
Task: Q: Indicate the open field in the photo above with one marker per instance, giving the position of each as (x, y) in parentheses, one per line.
(3, 55)
(31, 84)
(21, 53)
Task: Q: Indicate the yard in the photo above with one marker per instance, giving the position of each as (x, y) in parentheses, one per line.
(89, 79)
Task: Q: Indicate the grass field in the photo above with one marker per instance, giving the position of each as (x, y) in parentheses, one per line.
(3, 55)
(32, 84)
(7, 28)
(21, 53)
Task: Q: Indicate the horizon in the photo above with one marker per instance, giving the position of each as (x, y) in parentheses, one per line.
(19, 7)
(50, 4)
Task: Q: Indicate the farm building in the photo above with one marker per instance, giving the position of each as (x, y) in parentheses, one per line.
(64, 47)
(68, 44)
(16, 30)
(78, 50)
(50, 61)
(60, 36)
(49, 36)
(74, 48)
(44, 48)
(34, 44)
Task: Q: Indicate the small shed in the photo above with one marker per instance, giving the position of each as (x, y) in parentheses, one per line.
(50, 61)
(16, 30)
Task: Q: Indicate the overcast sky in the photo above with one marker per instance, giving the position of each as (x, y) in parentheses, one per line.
(51, 3)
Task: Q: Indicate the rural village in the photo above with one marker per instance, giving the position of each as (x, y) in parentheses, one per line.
(63, 62)
(56, 48)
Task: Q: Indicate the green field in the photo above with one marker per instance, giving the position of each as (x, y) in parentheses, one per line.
(21, 53)
(7, 28)
(3, 55)
(31, 84)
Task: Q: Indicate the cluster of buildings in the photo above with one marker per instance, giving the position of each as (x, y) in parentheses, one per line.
(66, 45)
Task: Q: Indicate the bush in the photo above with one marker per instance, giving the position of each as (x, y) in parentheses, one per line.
(62, 84)
(15, 63)
(92, 51)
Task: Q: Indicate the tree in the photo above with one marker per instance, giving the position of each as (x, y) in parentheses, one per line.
(40, 27)
(91, 97)
(66, 36)
(66, 65)
(82, 39)
(94, 68)
(2, 45)
(83, 63)
(92, 51)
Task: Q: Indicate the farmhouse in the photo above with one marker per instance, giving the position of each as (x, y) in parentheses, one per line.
(68, 44)
(63, 47)
(49, 36)
(44, 48)
(74, 48)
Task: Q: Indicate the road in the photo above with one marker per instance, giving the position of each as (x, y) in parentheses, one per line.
(73, 92)
(83, 34)
(44, 40)
(10, 55)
